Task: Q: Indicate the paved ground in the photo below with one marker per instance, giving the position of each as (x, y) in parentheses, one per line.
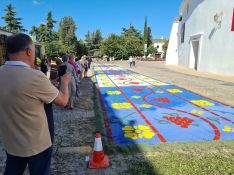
(74, 129)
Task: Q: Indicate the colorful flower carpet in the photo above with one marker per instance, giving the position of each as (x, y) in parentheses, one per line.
(138, 109)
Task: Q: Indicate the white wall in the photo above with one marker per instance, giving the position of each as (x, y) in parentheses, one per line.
(2, 32)
(172, 50)
(160, 45)
(216, 52)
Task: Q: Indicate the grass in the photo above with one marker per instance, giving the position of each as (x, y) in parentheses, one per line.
(208, 158)
(191, 158)
(169, 164)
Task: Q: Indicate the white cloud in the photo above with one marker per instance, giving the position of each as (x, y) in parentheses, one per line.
(37, 2)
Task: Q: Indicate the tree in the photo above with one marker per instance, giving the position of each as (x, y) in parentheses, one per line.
(113, 46)
(151, 49)
(97, 38)
(132, 32)
(50, 22)
(145, 31)
(12, 23)
(67, 37)
(164, 47)
(33, 32)
(81, 48)
(49, 27)
(133, 46)
(41, 33)
(45, 33)
(93, 41)
(149, 37)
(53, 49)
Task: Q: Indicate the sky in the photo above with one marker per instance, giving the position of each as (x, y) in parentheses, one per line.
(110, 16)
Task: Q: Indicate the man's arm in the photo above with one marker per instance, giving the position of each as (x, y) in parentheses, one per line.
(63, 96)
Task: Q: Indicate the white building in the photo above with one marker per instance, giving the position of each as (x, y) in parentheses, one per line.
(158, 43)
(203, 38)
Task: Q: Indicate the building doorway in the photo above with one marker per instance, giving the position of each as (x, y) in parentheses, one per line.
(195, 52)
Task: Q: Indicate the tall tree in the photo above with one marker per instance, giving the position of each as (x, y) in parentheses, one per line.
(66, 33)
(49, 27)
(131, 32)
(12, 23)
(41, 32)
(34, 33)
(149, 37)
(93, 41)
(113, 46)
(81, 48)
(97, 37)
(145, 31)
(165, 47)
(50, 22)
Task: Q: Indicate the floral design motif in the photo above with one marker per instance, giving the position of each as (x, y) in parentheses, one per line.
(145, 106)
(138, 132)
(228, 129)
(108, 84)
(113, 92)
(202, 103)
(174, 91)
(194, 111)
(124, 105)
(136, 97)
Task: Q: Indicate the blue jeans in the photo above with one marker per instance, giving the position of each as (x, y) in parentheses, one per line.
(38, 164)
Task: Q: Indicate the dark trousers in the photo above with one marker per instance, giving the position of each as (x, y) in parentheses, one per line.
(38, 164)
(50, 119)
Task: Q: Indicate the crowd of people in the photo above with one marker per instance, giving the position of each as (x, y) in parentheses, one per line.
(77, 68)
(26, 97)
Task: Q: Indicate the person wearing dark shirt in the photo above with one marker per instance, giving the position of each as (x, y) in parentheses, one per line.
(44, 68)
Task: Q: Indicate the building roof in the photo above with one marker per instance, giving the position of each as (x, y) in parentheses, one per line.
(183, 6)
(4, 30)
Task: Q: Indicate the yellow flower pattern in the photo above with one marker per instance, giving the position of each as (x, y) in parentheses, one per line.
(113, 92)
(108, 84)
(136, 97)
(194, 111)
(124, 105)
(146, 106)
(228, 129)
(202, 103)
(138, 132)
(174, 91)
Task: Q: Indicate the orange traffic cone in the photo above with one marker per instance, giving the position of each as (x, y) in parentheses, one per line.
(98, 158)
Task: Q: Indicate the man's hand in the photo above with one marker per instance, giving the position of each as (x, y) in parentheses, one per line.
(65, 79)
(63, 96)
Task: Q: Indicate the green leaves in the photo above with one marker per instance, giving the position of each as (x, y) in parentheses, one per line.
(12, 23)
(130, 43)
(93, 41)
(66, 33)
